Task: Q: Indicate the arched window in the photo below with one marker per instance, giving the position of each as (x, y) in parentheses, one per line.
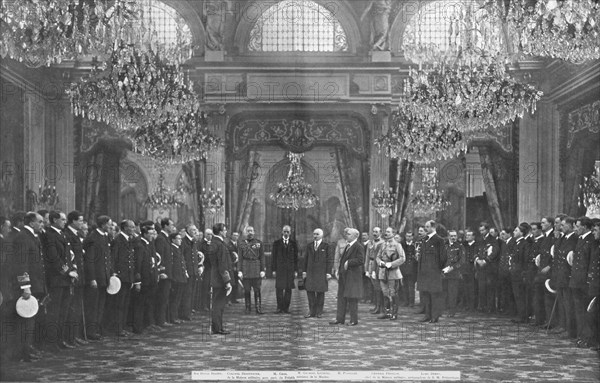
(297, 26)
(442, 22)
(167, 23)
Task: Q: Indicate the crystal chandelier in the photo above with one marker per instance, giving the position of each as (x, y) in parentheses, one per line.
(47, 198)
(140, 88)
(178, 140)
(212, 200)
(428, 199)
(163, 197)
(43, 32)
(420, 142)
(294, 193)
(383, 201)
(590, 193)
(566, 29)
(465, 85)
(468, 98)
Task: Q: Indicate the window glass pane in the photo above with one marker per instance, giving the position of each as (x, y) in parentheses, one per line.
(297, 25)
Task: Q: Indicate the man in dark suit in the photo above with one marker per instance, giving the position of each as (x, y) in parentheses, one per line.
(163, 248)
(518, 267)
(452, 276)
(59, 271)
(409, 269)
(146, 280)
(429, 280)
(220, 266)
(28, 277)
(580, 263)
(124, 265)
(179, 278)
(98, 269)
(207, 247)
(561, 275)
(544, 268)
(232, 245)
(189, 248)
(350, 278)
(285, 269)
(318, 263)
(75, 240)
(487, 269)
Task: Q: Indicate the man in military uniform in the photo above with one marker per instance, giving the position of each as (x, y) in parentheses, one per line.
(162, 245)
(75, 317)
(371, 269)
(98, 269)
(580, 262)
(146, 280)
(28, 279)
(206, 247)
(251, 269)
(389, 258)
(486, 266)
(455, 261)
(59, 270)
(468, 296)
(232, 245)
(561, 274)
(124, 264)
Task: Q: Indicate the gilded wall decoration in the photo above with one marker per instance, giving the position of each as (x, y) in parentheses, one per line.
(585, 118)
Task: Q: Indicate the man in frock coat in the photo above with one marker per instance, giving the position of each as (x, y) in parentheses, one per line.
(317, 267)
(350, 279)
(285, 269)
(429, 280)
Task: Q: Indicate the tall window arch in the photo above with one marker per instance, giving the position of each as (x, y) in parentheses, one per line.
(440, 22)
(297, 26)
(168, 24)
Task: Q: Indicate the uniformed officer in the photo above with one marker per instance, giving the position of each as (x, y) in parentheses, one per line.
(389, 258)
(452, 276)
(251, 268)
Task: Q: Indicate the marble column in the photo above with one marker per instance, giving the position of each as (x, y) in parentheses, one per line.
(215, 166)
(539, 188)
(379, 164)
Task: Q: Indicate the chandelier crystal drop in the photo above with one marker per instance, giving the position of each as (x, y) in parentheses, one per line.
(429, 200)
(212, 200)
(177, 141)
(566, 29)
(383, 201)
(417, 141)
(139, 88)
(590, 193)
(468, 98)
(163, 197)
(45, 32)
(294, 193)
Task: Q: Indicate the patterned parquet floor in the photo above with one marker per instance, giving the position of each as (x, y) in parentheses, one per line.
(482, 348)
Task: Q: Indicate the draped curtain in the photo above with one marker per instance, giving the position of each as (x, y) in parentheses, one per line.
(405, 173)
(247, 190)
(348, 204)
(489, 173)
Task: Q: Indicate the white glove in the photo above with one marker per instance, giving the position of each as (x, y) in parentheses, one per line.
(228, 289)
(73, 274)
(303, 274)
(201, 270)
(489, 250)
(240, 275)
(373, 275)
(236, 257)
(538, 260)
(446, 269)
(570, 258)
(552, 251)
(262, 274)
(367, 274)
(328, 276)
(388, 265)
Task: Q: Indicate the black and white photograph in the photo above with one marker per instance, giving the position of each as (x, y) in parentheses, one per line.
(300, 190)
